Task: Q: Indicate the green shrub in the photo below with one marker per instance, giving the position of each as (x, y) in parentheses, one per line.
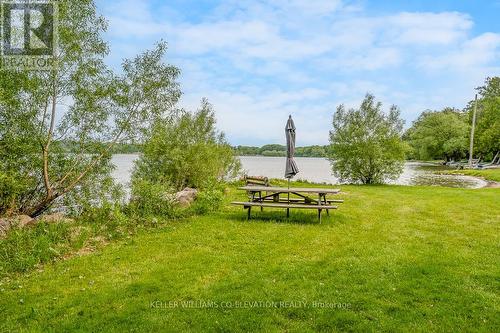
(210, 199)
(187, 151)
(152, 199)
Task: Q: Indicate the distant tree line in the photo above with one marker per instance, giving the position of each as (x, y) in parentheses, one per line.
(280, 150)
(274, 150)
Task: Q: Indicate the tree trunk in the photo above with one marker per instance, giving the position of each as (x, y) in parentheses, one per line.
(41, 207)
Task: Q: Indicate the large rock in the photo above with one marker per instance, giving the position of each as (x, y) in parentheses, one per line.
(4, 226)
(21, 221)
(55, 218)
(186, 197)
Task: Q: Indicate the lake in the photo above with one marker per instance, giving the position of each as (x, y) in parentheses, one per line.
(318, 170)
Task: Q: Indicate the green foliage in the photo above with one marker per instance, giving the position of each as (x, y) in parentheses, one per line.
(29, 127)
(56, 153)
(107, 220)
(209, 199)
(187, 152)
(19, 145)
(10, 190)
(146, 92)
(366, 144)
(446, 134)
(487, 134)
(439, 135)
(152, 199)
(183, 151)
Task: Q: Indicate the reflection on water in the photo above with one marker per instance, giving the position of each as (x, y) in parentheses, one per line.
(318, 170)
(416, 173)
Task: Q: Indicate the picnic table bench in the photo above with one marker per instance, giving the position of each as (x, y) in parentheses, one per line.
(303, 200)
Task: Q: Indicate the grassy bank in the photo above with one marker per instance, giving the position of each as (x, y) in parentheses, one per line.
(391, 258)
(488, 174)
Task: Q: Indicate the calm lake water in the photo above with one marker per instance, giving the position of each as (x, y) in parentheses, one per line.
(318, 170)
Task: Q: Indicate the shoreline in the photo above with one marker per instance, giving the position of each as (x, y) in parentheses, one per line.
(490, 183)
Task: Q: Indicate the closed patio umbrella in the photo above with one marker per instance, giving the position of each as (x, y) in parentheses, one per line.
(291, 168)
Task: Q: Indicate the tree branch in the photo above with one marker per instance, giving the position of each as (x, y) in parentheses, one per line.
(100, 156)
(46, 179)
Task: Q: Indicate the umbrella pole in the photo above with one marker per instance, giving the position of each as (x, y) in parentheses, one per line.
(288, 209)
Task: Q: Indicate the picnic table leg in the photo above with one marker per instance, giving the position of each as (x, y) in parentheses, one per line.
(249, 210)
(319, 215)
(260, 199)
(326, 203)
(320, 203)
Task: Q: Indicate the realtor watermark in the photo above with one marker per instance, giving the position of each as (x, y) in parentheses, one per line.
(207, 304)
(28, 34)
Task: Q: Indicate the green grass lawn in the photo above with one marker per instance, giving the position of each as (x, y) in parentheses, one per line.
(391, 258)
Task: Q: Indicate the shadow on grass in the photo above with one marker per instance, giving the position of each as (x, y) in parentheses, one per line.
(274, 216)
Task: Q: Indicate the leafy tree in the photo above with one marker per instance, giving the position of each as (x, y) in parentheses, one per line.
(80, 104)
(366, 144)
(186, 151)
(439, 135)
(487, 134)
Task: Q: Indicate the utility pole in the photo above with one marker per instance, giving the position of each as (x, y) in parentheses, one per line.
(471, 147)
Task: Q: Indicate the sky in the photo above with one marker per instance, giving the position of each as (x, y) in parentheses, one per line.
(259, 61)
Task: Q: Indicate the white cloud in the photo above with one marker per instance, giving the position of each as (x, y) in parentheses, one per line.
(131, 18)
(470, 55)
(429, 28)
(367, 60)
(261, 117)
(257, 61)
(310, 7)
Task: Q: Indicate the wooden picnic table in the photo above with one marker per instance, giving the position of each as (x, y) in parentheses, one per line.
(291, 189)
(303, 199)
